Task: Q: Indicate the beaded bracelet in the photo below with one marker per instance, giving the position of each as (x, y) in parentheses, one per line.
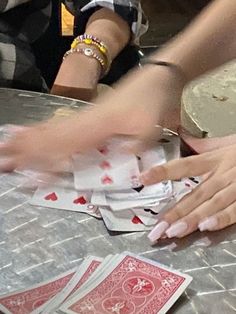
(93, 41)
(90, 40)
(88, 52)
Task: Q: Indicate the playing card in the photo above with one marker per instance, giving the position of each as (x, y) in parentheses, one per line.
(184, 187)
(158, 192)
(28, 300)
(124, 221)
(83, 272)
(106, 168)
(171, 146)
(55, 196)
(133, 285)
(149, 216)
(99, 198)
(118, 172)
(88, 280)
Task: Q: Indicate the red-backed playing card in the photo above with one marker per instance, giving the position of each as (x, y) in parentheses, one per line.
(130, 285)
(25, 301)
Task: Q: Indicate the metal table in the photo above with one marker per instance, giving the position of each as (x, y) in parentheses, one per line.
(38, 244)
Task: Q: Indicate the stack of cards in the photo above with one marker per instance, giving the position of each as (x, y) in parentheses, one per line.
(122, 284)
(105, 184)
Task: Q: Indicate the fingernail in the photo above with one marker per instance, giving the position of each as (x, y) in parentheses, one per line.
(157, 232)
(176, 229)
(208, 224)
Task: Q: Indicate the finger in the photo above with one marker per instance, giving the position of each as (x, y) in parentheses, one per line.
(190, 223)
(6, 149)
(206, 191)
(199, 196)
(8, 165)
(220, 220)
(180, 168)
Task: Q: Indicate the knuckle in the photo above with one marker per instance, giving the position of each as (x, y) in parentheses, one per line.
(198, 195)
(218, 199)
(161, 171)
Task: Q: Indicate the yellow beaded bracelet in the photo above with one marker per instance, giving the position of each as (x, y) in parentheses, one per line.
(91, 40)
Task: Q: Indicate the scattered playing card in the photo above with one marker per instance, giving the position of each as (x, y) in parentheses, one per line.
(119, 171)
(124, 220)
(108, 177)
(58, 197)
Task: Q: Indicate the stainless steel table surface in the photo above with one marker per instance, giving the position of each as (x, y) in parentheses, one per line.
(38, 243)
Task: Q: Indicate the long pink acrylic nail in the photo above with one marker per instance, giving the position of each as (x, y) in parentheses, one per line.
(208, 224)
(176, 229)
(158, 231)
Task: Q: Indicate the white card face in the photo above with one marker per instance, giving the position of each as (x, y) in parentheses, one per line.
(183, 187)
(151, 158)
(109, 172)
(158, 192)
(123, 221)
(67, 199)
(117, 205)
(148, 216)
(99, 198)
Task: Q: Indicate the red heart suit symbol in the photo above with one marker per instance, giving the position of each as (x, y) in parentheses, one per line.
(105, 164)
(51, 197)
(103, 150)
(107, 180)
(80, 200)
(136, 220)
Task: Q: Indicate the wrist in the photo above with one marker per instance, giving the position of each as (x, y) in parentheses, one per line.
(166, 92)
(79, 71)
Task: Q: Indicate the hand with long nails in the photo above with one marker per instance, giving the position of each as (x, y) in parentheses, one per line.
(210, 206)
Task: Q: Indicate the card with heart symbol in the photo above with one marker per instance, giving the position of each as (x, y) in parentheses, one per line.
(58, 197)
(106, 169)
(123, 221)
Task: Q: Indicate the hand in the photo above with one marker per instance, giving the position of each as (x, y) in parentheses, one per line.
(48, 146)
(139, 103)
(210, 206)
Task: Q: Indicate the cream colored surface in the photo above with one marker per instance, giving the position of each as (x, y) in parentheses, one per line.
(209, 104)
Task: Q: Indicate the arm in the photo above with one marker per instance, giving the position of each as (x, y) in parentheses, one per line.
(207, 43)
(79, 75)
(145, 96)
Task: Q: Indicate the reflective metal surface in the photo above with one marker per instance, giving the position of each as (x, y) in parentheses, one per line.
(36, 244)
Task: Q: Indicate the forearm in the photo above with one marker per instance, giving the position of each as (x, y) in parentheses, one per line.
(207, 43)
(80, 74)
(111, 29)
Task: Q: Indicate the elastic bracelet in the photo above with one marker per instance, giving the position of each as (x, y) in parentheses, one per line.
(89, 52)
(93, 41)
(170, 65)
